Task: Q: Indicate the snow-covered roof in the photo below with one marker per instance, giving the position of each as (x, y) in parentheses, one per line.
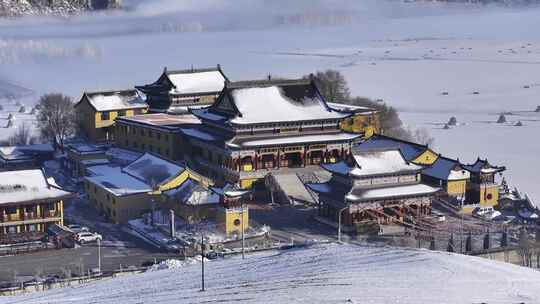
(267, 104)
(483, 166)
(257, 102)
(409, 150)
(123, 155)
(113, 179)
(153, 170)
(196, 82)
(161, 120)
(28, 185)
(346, 108)
(191, 192)
(446, 169)
(140, 176)
(359, 194)
(115, 100)
(86, 148)
(25, 151)
(380, 163)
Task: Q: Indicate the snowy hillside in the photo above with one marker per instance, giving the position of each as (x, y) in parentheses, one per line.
(321, 274)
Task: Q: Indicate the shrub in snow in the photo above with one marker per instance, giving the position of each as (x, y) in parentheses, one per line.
(519, 124)
(452, 121)
(502, 119)
(9, 123)
(22, 109)
(11, 116)
(33, 111)
(537, 109)
(446, 127)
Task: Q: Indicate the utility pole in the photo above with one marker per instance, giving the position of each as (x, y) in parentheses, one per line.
(243, 236)
(339, 222)
(461, 228)
(202, 261)
(99, 254)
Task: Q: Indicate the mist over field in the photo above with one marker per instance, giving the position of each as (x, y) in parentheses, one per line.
(406, 54)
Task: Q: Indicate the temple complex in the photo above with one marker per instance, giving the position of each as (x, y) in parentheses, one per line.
(177, 90)
(257, 127)
(373, 188)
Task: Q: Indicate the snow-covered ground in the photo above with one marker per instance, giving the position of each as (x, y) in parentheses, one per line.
(406, 54)
(328, 273)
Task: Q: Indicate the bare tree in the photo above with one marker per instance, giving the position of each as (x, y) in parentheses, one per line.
(56, 118)
(22, 136)
(422, 136)
(333, 86)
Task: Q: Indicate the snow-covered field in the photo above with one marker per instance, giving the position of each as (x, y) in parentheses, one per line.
(328, 273)
(406, 54)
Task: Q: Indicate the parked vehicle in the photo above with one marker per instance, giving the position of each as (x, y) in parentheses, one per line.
(78, 228)
(87, 237)
(487, 213)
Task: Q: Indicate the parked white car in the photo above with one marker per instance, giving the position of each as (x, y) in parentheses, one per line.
(87, 237)
(77, 228)
(487, 213)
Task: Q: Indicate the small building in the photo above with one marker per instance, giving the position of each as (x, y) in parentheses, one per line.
(80, 156)
(483, 188)
(177, 90)
(412, 152)
(256, 127)
(195, 200)
(155, 133)
(29, 203)
(125, 193)
(25, 156)
(97, 111)
(452, 177)
(363, 120)
(374, 188)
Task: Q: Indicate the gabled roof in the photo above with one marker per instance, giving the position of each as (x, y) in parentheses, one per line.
(188, 82)
(372, 163)
(153, 170)
(381, 163)
(27, 186)
(191, 192)
(483, 166)
(446, 169)
(114, 100)
(143, 175)
(409, 150)
(258, 102)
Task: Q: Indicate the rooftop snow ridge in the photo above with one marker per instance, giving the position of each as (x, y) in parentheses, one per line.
(192, 70)
(267, 83)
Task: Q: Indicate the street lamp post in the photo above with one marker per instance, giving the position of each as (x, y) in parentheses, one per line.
(243, 236)
(99, 254)
(202, 261)
(339, 222)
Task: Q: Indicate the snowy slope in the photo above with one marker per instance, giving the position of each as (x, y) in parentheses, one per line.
(321, 274)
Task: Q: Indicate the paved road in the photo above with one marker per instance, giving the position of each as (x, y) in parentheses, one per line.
(119, 249)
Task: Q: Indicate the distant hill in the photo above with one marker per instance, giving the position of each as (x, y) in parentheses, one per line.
(13, 8)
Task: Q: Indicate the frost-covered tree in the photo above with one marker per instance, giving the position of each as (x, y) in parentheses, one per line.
(56, 118)
(22, 136)
(333, 86)
(501, 119)
(422, 136)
